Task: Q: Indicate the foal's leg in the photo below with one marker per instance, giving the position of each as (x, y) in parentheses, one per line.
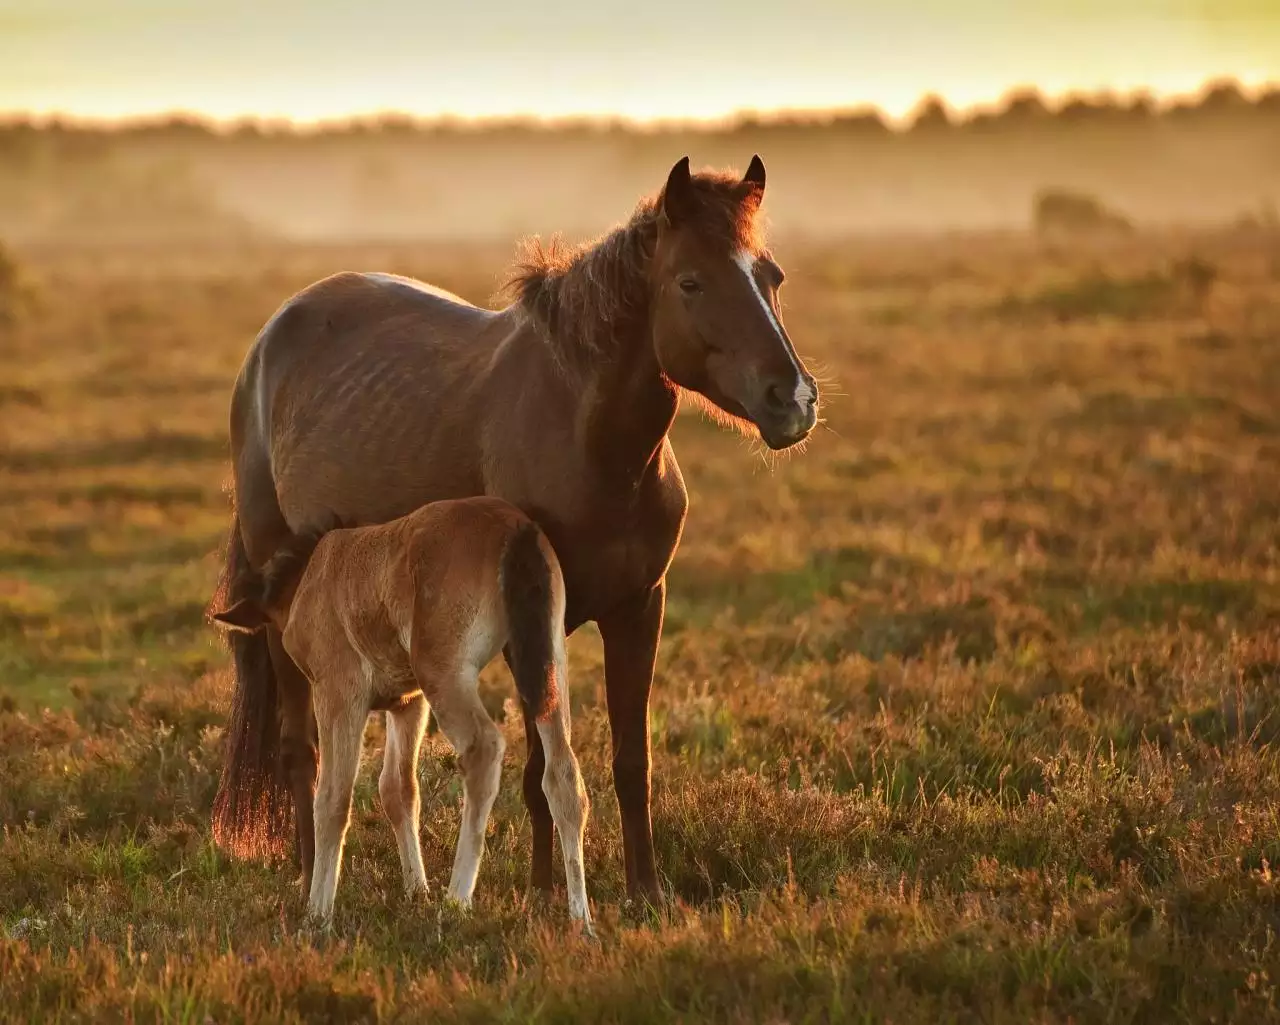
(341, 725)
(567, 797)
(479, 746)
(398, 786)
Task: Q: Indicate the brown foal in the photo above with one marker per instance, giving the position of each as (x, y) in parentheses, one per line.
(402, 617)
(368, 395)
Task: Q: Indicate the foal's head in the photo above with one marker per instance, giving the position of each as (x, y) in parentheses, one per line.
(717, 327)
(264, 597)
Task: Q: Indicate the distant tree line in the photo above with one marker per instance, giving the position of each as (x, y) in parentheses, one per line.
(1019, 109)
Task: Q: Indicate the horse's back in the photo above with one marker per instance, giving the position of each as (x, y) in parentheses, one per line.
(354, 384)
(414, 290)
(357, 309)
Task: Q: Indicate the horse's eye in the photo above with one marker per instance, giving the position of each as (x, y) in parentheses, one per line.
(690, 286)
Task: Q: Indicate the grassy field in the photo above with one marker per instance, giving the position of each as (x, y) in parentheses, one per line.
(966, 713)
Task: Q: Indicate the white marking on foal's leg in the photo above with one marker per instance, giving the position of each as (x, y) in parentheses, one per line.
(567, 797)
(481, 763)
(398, 787)
(480, 747)
(341, 730)
(747, 264)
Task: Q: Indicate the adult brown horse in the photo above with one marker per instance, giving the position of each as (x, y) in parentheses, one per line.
(368, 395)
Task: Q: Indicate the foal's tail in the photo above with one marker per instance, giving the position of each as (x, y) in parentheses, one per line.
(253, 811)
(533, 596)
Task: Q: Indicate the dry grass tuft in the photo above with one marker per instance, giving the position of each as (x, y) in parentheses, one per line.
(969, 713)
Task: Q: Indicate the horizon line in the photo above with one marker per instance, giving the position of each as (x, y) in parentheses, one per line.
(1159, 100)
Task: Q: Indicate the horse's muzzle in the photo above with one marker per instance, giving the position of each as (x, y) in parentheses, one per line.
(783, 429)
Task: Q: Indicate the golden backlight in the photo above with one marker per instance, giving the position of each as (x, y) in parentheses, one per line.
(663, 59)
(966, 706)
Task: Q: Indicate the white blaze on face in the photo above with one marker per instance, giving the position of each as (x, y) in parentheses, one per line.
(747, 264)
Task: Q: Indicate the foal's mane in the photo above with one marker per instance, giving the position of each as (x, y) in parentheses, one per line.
(582, 298)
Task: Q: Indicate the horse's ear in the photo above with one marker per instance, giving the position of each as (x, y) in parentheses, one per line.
(244, 616)
(677, 194)
(753, 180)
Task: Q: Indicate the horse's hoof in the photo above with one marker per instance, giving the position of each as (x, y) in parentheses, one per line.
(647, 900)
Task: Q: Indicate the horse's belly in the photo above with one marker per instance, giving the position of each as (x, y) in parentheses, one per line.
(366, 426)
(371, 476)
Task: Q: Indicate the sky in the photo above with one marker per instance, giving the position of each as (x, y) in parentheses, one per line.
(642, 60)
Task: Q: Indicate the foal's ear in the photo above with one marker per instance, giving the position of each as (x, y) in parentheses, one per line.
(677, 194)
(244, 616)
(753, 180)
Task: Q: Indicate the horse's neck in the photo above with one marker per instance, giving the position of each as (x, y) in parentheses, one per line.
(629, 407)
(594, 313)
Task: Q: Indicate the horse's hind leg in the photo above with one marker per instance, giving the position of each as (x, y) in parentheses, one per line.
(298, 754)
(398, 786)
(568, 799)
(263, 528)
(341, 723)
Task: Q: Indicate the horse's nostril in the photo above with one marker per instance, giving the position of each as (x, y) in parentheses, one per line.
(777, 399)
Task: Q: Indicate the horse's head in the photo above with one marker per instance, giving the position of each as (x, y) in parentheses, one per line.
(717, 327)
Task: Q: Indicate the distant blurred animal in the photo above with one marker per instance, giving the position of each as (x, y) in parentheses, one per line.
(1061, 212)
(369, 395)
(402, 617)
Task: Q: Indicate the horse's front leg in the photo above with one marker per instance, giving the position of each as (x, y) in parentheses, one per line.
(540, 870)
(631, 632)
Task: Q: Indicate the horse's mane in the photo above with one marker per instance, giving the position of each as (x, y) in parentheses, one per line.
(582, 298)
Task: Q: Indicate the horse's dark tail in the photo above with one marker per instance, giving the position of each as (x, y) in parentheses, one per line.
(529, 584)
(253, 811)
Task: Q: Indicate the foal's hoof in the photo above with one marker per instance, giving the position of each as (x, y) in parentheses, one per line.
(461, 905)
(319, 923)
(314, 931)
